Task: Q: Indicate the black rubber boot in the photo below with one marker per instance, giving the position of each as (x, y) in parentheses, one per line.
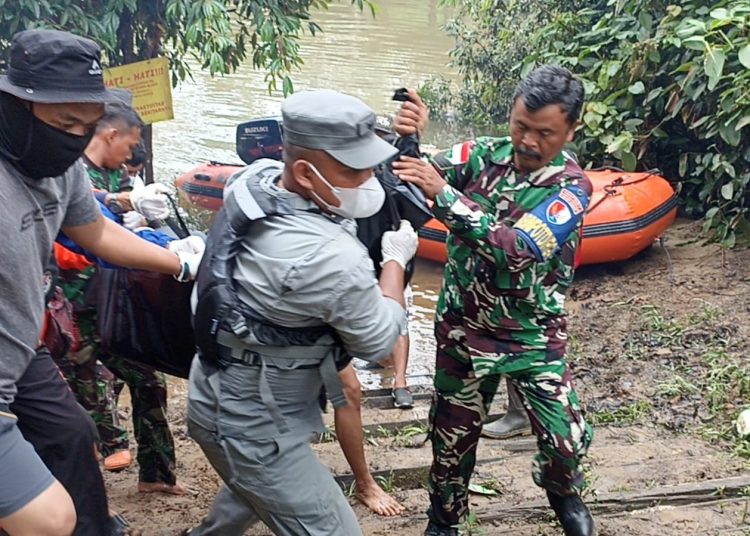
(512, 424)
(434, 529)
(572, 514)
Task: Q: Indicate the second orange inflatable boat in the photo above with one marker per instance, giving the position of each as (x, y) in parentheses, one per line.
(628, 211)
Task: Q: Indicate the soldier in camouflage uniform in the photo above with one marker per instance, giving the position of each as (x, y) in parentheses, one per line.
(501, 308)
(92, 380)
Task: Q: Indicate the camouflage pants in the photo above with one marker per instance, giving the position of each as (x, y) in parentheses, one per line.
(148, 392)
(96, 389)
(460, 406)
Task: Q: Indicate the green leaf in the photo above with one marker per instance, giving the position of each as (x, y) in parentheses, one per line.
(637, 89)
(727, 191)
(622, 142)
(720, 13)
(730, 134)
(743, 122)
(592, 120)
(689, 27)
(744, 55)
(654, 93)
(482, 490)
(629, 162)
(682, 167)
(714, 65)
(633, 124)
(730, 240)
(696, 42)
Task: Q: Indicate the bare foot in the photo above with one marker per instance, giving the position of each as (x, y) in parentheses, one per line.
(377, 500)
(162, 487)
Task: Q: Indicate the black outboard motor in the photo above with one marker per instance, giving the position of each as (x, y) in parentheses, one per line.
(260, 138)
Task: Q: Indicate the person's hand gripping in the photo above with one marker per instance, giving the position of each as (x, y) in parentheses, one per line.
(190, 252)
(399, 245)
(151, 200)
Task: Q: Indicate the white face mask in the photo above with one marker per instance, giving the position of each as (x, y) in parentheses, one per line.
(360, 202)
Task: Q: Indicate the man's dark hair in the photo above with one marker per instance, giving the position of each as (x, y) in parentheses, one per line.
(551, 84)
(139, 156)
(119, 114)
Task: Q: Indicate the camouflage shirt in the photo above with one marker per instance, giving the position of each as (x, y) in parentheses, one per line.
(506, 301)
(107, 180)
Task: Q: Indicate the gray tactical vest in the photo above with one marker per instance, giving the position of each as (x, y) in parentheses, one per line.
(227, 329)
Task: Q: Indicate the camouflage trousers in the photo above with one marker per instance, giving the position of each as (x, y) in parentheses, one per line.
(97, 384)
(148, 394)
(96, 389)
(461, 404)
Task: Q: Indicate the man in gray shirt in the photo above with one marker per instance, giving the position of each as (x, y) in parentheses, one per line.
(254, 410)
(50, 100)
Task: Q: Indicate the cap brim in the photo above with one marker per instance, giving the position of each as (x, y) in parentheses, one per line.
(61, 96)
(368, 153)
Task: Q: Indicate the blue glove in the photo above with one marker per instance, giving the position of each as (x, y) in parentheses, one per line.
(547, 226)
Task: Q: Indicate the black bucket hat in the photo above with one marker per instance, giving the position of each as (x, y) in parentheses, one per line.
(53, 67)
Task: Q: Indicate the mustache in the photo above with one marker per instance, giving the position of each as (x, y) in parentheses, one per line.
(529, 153)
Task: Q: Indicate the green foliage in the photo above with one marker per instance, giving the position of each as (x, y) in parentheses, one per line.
(219, 34)
(634, 413)
(667, 87)
(492, 39)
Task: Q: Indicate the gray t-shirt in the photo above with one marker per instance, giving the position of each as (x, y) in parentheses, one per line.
(32, 213)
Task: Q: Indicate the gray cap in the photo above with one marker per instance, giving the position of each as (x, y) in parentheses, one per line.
(340, 125)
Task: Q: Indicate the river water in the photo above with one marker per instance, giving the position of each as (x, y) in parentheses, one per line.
(368, 57)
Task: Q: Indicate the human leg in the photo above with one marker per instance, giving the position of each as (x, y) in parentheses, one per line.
(63, 436)
(459, 407)
(292, 492)
(402, 397)
(156, 454)
(51, 513)
(32, 502)
(94, 388)
(348, 421)
(514, 422)
(563, 437)
(279, 481)
(230, 513)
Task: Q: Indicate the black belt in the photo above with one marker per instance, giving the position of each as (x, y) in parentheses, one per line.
(250, 358)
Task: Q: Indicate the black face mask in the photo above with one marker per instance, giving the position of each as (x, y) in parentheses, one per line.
(32, 146)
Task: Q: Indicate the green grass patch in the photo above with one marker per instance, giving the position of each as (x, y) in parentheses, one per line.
(634, 413)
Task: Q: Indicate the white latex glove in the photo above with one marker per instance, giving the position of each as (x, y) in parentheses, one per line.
(399, 246)
(150, 200)
(133, 220)
(190, 251)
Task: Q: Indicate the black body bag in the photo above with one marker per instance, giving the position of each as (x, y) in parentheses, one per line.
(145, 317)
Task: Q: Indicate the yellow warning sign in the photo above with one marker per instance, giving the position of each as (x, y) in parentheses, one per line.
(149, 83)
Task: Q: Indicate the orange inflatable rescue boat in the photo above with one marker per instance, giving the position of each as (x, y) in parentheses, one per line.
(628, 211)
(203, 186)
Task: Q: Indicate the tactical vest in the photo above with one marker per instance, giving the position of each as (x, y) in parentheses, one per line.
(226, 329)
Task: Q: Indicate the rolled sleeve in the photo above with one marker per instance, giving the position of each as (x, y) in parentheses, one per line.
(82, 208)
(367, 322)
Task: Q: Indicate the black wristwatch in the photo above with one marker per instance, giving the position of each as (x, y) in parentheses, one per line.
(112, 203)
